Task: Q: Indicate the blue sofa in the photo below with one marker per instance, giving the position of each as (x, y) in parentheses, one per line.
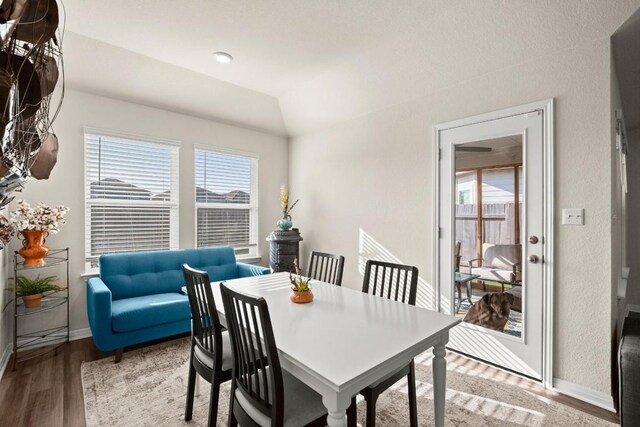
(138, 296)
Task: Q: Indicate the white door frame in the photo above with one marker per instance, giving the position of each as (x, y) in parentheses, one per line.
(546, 107)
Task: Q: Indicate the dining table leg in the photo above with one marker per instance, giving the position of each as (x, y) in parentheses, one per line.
(439, 380)
(337, 409)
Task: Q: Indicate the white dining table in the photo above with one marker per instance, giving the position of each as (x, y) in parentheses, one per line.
(346, 340)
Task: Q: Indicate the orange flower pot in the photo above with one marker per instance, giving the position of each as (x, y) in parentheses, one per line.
(301, 297)
(32, 301)
(33, 250)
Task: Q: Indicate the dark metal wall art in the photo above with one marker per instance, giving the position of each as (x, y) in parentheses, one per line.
(31, 66)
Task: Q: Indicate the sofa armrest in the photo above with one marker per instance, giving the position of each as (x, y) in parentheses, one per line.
(250, 270)
(99, 312)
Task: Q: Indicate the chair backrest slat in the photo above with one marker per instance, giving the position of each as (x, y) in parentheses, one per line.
(326, 267)
(393, 281)
(256, 366)
(206, 328)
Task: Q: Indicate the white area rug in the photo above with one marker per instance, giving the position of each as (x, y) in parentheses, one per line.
(148, 389)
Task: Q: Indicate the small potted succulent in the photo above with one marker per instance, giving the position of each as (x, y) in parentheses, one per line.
(300, 289)
(31, 290)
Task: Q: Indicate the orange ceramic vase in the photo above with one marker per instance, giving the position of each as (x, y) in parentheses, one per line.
(301, 297)
(33, 248)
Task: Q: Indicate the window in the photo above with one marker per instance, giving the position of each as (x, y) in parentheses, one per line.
(131, 194)
(464, 197)
(227, 201)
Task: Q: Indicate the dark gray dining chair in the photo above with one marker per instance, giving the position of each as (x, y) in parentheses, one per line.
(326, 267)
(262, 394)
(210, 347)
(399, 283)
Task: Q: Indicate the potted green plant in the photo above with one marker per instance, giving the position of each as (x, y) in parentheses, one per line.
(31, 290)
(300, 289)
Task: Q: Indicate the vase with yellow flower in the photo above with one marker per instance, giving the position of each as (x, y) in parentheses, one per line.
(285, 223)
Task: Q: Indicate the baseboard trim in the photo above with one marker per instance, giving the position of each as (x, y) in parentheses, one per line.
(632, 307)
(79, 334)
(599, 399)
(4, 360)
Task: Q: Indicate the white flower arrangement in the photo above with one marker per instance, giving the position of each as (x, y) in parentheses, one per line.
(6, 232)
(42, 217)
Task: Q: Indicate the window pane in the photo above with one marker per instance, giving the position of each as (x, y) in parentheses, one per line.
(226, 180)
(131, 196)
(129, 170)
(222, 178)
(224, 227)
(129, 228)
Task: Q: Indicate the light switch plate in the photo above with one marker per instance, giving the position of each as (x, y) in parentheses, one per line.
(573, 216)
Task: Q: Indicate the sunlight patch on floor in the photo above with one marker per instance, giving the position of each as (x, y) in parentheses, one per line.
(480, 405)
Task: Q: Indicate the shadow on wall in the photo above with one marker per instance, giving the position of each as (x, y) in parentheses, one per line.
(370, 249)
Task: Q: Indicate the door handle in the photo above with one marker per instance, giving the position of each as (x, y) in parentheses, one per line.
(533, 259)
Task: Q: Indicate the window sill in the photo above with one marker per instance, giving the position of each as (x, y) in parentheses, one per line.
(250, 259)
(89, 274)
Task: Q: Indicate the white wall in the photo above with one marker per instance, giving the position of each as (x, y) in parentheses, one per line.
(366, 186)
(66, 185)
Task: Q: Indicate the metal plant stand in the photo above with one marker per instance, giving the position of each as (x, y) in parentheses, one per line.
(51, 337)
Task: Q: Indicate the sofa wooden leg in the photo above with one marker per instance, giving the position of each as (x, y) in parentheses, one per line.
(119, 354)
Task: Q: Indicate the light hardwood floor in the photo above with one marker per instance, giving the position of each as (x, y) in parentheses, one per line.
(47, 391)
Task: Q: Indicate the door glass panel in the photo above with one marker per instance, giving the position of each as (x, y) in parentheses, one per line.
(489, 223)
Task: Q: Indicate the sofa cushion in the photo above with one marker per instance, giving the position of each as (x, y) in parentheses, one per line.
(150, 310)
(135, 274)
(496, 274)
(501, 256)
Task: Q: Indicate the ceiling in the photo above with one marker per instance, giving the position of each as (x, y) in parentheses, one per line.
(311, 64)
(276, 44)
(504, 151)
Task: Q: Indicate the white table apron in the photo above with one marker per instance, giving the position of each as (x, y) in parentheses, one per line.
(356, 339)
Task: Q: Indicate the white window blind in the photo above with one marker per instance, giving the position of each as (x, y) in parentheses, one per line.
(131, 194)
(226, 201)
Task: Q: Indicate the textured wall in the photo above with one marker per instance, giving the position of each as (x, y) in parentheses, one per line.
(366, 189)
(66, 185)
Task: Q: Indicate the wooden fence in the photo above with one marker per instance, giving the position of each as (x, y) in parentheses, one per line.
(498, 226)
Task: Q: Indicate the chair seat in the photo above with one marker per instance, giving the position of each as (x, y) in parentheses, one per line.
(301, 404)
(227, 359)
(495, 274)
(136, 313)
(397, 376)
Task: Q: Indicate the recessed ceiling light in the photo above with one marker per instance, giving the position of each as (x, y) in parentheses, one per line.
(223, 57)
